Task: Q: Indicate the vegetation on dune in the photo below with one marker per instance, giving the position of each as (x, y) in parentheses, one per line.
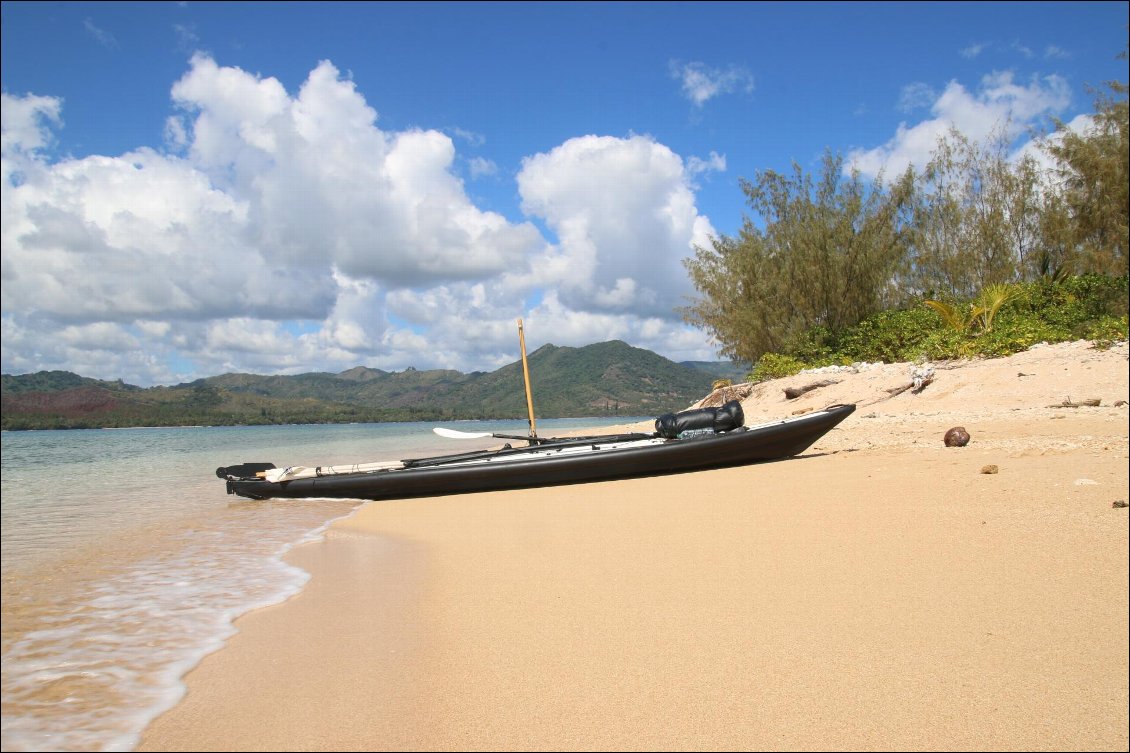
(982, 253)
(1086, 307)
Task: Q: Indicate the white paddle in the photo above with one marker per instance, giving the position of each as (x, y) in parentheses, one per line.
(532, 438)
(454, 434)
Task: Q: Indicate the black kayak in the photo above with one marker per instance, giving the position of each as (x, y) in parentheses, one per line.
(678, 445)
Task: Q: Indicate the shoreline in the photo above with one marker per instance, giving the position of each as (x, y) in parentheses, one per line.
(880, 591)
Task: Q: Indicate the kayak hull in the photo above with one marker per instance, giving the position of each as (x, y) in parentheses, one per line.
(547, 464)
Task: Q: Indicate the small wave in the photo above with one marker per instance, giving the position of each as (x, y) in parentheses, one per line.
(95, 673)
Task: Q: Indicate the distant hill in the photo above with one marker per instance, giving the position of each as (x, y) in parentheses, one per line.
(605, 379)
(735, 371)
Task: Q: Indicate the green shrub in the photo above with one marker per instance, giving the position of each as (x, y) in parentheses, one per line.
(1108, 329)
(812, 346)
(890, 336)
(1002, 320)
(775, 366)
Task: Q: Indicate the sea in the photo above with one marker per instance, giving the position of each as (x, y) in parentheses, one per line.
(125, 561)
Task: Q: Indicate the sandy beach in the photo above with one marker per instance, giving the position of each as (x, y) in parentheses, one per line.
(879, 592)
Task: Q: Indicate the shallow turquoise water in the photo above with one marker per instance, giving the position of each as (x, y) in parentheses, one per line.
(125, 562)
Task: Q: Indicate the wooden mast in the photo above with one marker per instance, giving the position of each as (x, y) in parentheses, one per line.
(526, 377)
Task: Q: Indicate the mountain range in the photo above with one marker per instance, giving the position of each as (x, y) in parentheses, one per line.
(605, 379)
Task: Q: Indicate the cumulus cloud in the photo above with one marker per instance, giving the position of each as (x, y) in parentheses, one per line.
(624, 215)
(1080, 124)
(283, 232)
(328, 186)
(280, 232)
(138, 236)
(101, 350)
(27, 123)
(999, 102)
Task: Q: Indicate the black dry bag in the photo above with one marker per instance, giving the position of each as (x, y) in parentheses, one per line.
(729, 416)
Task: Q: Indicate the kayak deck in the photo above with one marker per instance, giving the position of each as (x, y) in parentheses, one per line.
(549, 462)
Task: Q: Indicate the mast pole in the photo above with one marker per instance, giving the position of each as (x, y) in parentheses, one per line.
(526, 377)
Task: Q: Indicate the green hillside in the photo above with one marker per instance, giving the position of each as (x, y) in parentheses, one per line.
(605, 379)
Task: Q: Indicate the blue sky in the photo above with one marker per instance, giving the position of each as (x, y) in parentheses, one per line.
(196, 188)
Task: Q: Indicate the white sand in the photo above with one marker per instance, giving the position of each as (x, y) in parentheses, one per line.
(880, 592)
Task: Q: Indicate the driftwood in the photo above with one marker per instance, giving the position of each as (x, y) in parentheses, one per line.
(723, 395)
(793, 393)
(900, 389)
(1093, 402)
(920, 381)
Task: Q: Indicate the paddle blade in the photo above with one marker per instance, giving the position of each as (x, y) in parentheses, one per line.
(453, 434)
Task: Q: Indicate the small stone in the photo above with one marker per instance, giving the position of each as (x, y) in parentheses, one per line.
(990, 469)
(956, 437)
(1118, 503)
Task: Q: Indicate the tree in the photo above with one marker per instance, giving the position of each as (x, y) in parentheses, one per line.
(1092, 165)
(825, 253)
(976, 218)
(829, 252)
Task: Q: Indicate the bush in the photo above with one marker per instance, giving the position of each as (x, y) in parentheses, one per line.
(775, 366)
(892, 336)
(812, 346)
(1087, 307)
(1076, 304)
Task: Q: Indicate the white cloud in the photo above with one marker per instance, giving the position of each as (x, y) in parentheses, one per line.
(139, 236)
(24, 127)
(187, 38)
(247, 335)
(481, 166)
(714, 163)
(327, 184)
(101, 350)
(701, 83)
(101, 36)
(999, 102)
(287, 233)
(472, 138)
(176, 137)
(624, 214)
(916, 95)
(98, 336)
(153, 329)
(571, 327)
(1080, 124)
(973, 51)
(357, 320)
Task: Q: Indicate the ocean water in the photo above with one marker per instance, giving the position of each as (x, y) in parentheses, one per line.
(125, 562)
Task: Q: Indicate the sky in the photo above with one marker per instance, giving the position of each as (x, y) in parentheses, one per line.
(196, 188)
